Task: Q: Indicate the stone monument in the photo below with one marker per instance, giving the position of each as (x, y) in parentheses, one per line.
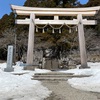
(9, 67)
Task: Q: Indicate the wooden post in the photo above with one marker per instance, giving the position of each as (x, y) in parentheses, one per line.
(82, 42)
(31, 40)
(56, 17)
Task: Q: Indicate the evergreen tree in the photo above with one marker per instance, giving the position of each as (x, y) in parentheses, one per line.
(66, 3)
(31, 3)
(92, 3)
(52, 3)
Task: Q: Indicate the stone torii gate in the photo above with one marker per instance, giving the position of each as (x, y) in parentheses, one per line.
(32, 12)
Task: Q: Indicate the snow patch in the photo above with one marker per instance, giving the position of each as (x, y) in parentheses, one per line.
(21, 87)
(88, 83)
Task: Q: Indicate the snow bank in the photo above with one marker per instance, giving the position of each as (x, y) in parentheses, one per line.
(3, 65)
(21, 87)
(88, 83)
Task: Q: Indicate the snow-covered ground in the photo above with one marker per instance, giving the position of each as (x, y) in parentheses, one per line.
(87, 83)
(21, 87)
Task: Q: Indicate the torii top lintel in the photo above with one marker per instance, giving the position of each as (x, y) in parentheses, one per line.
(87, 11)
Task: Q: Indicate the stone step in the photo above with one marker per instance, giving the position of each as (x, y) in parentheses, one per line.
(61, 75)
(52, 76)
(56, 76)
(50, 79)
(54, 73)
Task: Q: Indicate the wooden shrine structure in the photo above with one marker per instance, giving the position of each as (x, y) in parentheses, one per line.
(33, 12)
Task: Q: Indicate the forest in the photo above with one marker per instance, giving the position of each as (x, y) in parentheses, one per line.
(17, 35)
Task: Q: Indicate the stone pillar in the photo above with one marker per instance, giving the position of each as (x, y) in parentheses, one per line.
(31, 40)
(82, 42)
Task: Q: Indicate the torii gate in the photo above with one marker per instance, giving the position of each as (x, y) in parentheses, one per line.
(32, 12)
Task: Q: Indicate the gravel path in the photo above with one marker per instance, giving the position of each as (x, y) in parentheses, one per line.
(61, 90)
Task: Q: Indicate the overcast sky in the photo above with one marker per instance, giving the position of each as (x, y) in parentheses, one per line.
(5, 5)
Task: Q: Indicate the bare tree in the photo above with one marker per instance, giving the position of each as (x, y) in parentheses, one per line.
(19, 41)
(90, 38)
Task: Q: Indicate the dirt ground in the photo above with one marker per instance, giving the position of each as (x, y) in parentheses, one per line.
(61, 90)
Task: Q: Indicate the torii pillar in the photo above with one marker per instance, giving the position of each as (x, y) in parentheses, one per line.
(82, 42)
(31, 43)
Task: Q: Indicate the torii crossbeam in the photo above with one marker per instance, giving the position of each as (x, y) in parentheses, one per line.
(56, 12)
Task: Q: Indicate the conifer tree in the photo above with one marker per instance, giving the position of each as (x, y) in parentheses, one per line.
(92, 3)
